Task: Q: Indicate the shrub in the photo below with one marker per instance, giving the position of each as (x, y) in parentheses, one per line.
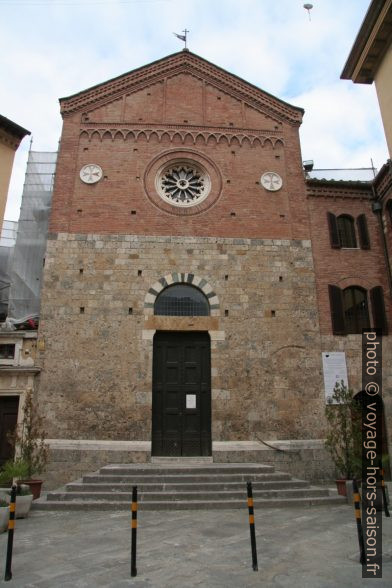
(344, 435)
(29, 439)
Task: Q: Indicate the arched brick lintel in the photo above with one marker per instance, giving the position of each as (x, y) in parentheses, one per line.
(181, 278)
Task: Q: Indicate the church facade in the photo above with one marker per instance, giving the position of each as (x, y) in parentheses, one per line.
(192, 281)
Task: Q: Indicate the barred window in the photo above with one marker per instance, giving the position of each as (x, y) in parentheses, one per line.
(181, 300)
(7, 350)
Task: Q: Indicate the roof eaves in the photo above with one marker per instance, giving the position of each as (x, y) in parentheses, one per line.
(138, 69)
(362, 38)
(339, 183)
(123, 75)
(12, 128)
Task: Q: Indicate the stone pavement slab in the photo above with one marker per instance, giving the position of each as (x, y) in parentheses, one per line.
(298, 547)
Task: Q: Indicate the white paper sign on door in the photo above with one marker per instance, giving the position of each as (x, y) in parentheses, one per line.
(191, 400)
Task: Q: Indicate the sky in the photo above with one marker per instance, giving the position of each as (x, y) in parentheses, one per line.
(54, 48)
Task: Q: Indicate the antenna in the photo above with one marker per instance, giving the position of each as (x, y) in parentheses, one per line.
(308, 7)
(373, 168)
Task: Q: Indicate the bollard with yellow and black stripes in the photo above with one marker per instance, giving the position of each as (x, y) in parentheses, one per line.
(384, 495)
(252, 526)
(357, 510)
(11, 527)
(134, 530)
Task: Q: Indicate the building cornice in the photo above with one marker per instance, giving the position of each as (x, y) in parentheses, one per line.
(19, 369)
(372, 42)
(18, 334)
(383, 182)
(11, 134)
(339, 189)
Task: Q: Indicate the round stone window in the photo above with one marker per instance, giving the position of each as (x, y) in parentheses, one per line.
(183, 183)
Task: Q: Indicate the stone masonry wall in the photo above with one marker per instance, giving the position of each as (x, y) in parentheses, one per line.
(95, 338)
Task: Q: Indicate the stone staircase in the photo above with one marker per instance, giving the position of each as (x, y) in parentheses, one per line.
(178, 486)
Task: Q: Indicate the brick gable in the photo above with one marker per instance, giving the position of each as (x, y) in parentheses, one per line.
(178, 106)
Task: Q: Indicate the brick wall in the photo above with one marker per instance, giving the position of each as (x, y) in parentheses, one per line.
(344, 267)
(242, 143)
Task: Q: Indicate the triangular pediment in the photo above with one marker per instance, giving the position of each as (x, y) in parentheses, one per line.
(182, 87)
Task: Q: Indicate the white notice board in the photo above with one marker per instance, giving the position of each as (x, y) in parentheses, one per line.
(335, 370)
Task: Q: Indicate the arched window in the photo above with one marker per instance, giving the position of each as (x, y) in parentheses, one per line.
(346, 231)
(181, 300)
(355, 307)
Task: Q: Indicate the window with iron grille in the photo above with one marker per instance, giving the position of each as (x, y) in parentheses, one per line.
(181, 300)
(7, 350)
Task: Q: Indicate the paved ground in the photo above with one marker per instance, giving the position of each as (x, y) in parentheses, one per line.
(299, 548)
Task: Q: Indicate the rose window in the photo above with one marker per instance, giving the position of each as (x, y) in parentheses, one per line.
(183, 184)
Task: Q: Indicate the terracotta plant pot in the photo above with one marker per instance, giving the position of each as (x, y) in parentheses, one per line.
(341, 486)
(35, 487)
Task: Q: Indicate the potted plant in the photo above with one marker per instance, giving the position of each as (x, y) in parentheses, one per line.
(29, 439)
(4, 515)
(16, 470)
(343, 440)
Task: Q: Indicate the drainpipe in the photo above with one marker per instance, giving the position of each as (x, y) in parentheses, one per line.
(377, 209)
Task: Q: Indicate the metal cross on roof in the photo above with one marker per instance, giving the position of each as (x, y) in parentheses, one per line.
(182, 37)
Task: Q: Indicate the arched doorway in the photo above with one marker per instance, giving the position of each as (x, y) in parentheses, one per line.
(181, 388)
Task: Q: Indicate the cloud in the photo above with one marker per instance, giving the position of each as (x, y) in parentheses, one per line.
(58, 50)
(342, 126)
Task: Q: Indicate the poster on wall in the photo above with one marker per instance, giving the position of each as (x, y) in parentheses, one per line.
(335, 370)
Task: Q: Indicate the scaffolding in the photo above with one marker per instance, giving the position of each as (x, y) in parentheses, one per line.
(7, 244)
(29, 251)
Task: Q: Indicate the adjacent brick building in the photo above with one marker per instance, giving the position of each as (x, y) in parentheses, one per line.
(191, 267)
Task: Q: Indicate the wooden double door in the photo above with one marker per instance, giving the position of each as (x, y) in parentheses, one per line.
(8, 419)
(181, 402)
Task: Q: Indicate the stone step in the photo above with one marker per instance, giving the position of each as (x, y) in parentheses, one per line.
(203, 486)
(181, 460)
(190, 478)
(209, 469)
(182, 487)
(224, 496)
(84, 505)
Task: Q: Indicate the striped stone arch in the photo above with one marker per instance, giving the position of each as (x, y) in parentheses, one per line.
(179, 278)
